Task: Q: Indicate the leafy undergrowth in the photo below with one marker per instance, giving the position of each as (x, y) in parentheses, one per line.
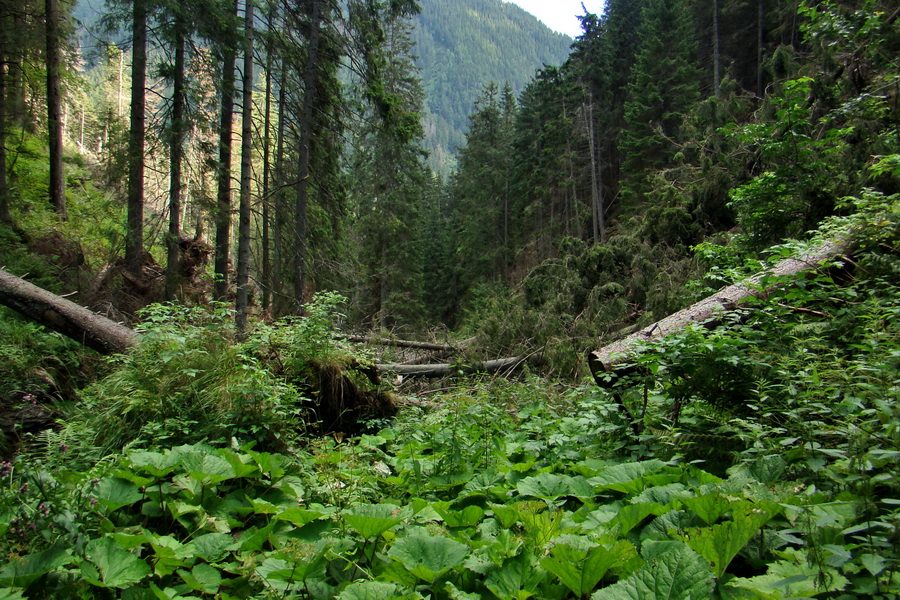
(492, 494)
(758, 460)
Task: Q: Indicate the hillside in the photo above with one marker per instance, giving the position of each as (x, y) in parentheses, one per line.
(466, 44)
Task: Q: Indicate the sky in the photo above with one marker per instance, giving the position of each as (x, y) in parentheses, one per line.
(559, 15)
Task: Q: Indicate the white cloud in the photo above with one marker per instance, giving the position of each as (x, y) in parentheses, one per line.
(560, 15)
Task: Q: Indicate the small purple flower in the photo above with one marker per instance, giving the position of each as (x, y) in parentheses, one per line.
(94, 502)
(5, 468)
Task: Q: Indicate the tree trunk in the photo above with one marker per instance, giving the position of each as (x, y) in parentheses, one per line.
(717, 57)
(616, 360)
(57, 313)
(447, 369)
(243, 265)
(134, 236)
(267, 142)
(54, 108)
(176, 154)
(278, 308)
(760, 39)
(306, 118)
(598, 209)
(223, 204)
(4, 187)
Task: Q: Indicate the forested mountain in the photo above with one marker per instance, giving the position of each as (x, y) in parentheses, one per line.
(464, 45)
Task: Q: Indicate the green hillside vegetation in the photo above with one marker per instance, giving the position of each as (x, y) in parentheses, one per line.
(465, 45)
(278, 236)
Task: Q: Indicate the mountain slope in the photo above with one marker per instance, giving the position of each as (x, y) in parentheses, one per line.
(462, 46)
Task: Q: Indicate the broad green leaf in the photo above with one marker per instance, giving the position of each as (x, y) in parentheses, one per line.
(298, 516)
(457, 594)
(581, 570)
(154, 463)
(113, 493)
(240, 463)
(505, 514)
(469, 516)
(541, 527)
(792, 578)
(550, 486)
(117, 567)
(282, 572)
(369, 590)
(709, 507)
(202, 578)
(427, 556)
(632, 515)
(516, 579)
(252, 540)
(676, 574)
(22, 572)
(270, 465)
(212, 547)
(627, 478)
(207, 468)
(371, 520)
(10, 594)
(873, 563)
(720, 543)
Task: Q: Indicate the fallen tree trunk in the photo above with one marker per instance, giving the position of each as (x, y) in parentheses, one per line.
(443, 370)
(108, 337)
(616, 358)
(66, 317)
(414, 345)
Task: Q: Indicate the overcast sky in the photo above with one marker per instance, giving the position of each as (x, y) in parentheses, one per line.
(559, 15)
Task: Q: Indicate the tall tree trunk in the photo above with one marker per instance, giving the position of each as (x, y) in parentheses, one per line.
(278, 307)
(54, 109)
(243, 265)
(4, 187)
(597, 208)
(267, 130)
(306, 118)
(176, 154)
(134, 236)
(760, 40)
(223, 204)
(717, 56)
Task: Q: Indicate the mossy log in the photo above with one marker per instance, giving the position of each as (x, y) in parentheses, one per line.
(446, 369)
(62, 315)
(616, 359)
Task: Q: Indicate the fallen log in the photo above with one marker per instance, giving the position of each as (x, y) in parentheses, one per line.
(413, 345)
(616, 358)
(108, 337)
(62, 315)
(446, 369)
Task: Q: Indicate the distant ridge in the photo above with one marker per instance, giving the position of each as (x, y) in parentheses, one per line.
(463, 45)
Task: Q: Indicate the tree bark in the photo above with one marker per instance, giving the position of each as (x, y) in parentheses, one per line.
(54, 110)
(243, 267)
(447, 369)
(66, 317)
(4, 187)
(267, 143)
(717, 56)
(176, 154)
(223, 197)
(134, 235)
(615, 360)
(306, 118)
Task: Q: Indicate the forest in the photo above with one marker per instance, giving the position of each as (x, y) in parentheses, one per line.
(642, 341)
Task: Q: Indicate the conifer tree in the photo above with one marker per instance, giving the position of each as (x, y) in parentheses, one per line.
(663, 89)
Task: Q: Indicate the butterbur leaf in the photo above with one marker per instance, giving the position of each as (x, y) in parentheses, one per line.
(202, 578)
(873, 563)
(153, 463)
(550, 486)
(792, 578)
(371, 520)
(709, 507)
(282, 572)
(469, 516)
(114, 492)
(581, 570)
(22, 572)
(676, 573)
(516, 579)
(720, 543)
(369, 590)
(632, 515)
(627, 478)
(212, 547)
(298, 516)
(207, 468)
(117, 567)
(427, 556)
(10, 594)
